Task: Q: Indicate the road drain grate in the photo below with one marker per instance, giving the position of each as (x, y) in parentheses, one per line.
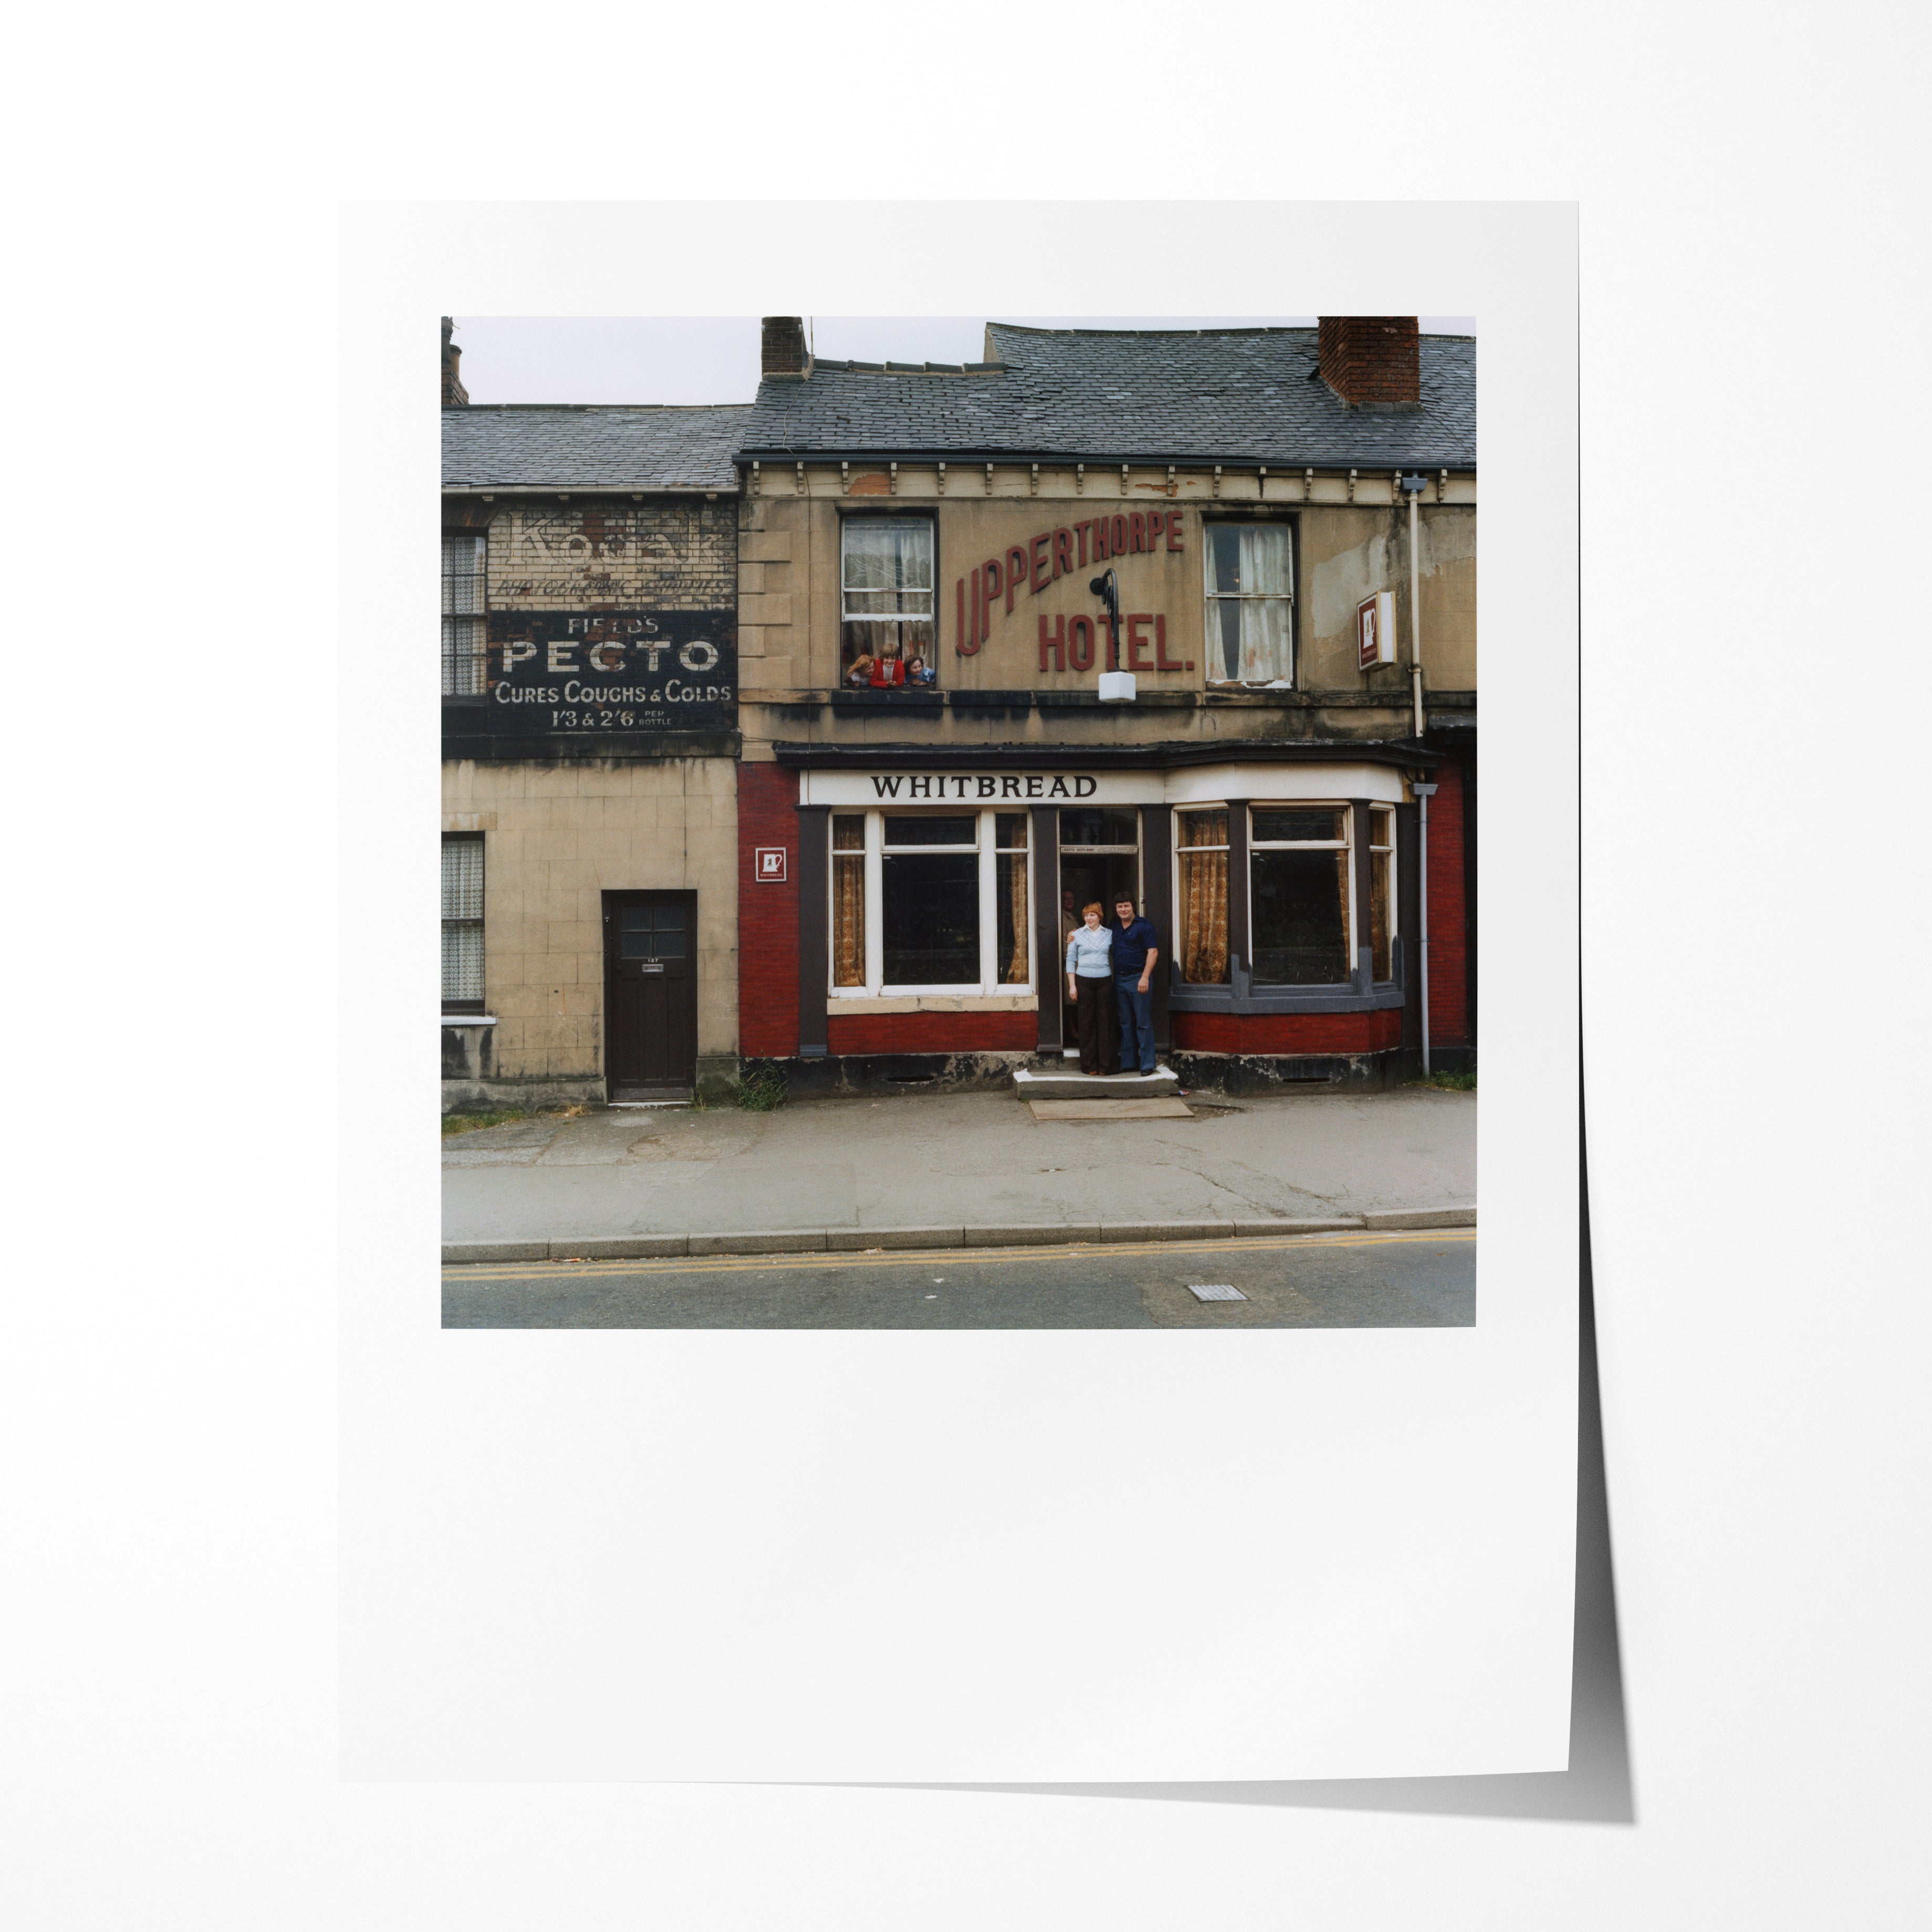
(1215, 1290)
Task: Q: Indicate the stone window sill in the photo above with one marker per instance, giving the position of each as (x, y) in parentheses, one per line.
(469, 1019)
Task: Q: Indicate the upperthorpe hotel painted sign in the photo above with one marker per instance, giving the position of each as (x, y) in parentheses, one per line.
(613, 670)
(1072, 643)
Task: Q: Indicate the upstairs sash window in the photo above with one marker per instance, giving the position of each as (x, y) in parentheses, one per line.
(463, 557)
(1250, 591)
(886, 601)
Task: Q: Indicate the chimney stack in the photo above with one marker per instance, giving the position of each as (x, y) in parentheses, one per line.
(1372, 361)
(784, 355)
(453, 391)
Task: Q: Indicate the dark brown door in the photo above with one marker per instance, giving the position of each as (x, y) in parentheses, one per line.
(650, 994)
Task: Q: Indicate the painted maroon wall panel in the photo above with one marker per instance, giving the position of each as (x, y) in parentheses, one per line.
(934, 1033)
(1448, 923)
(767, 914)
(1289, 1033)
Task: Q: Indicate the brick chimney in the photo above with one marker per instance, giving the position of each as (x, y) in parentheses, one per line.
(785, 354)
(1372, 361)
(453, 391)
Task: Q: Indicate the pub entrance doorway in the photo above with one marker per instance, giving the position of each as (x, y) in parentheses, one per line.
(650, 995)
(1100, 861)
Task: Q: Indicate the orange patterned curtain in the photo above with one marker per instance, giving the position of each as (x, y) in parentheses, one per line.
(1016, 966)
(1204, 900)
(848, 901)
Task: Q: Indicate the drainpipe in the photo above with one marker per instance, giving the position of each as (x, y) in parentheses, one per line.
(1425, 792)
(1411, 488)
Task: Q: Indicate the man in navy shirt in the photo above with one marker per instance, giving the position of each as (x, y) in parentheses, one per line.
(1136, 955)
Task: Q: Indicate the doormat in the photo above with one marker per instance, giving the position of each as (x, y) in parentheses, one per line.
(1111, 1110)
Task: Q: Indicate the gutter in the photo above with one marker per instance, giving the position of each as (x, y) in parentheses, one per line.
(1171, 754)
(1287, 465)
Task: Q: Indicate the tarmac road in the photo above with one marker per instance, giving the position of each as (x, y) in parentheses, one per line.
(1425, 1279)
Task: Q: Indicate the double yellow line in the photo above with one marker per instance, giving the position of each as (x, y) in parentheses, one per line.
(459, 1272)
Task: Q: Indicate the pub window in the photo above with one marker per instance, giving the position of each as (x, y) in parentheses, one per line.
(929, 899)
(1299, 877)
(463, 922)
(1381, 889)
(1200, 840)
(1250, 590)
(464, 554)
(885, 629)
(926, 902)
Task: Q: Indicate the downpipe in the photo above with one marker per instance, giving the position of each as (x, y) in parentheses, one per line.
(1425, 792)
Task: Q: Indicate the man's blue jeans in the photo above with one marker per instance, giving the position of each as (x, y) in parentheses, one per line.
(1136, 1010)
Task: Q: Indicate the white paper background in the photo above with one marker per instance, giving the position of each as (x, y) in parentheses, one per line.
(966, 1556)
(170, 1406)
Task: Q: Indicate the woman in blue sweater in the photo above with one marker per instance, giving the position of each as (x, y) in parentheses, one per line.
(1090, 986)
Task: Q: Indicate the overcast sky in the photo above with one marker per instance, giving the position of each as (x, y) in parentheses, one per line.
(510, 358)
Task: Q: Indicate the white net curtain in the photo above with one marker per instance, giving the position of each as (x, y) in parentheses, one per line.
(1250, 589)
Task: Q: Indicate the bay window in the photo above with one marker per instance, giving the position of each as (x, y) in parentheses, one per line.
(886, 609)
(1250, 591)
(1304, 920)
(930, 902)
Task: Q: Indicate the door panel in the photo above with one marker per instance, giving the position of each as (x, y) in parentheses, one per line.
(650, 988)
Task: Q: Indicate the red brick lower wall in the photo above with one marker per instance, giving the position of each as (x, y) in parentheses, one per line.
(933, 1033)
(767, 914)
(1370, 1032)
(1448, 920)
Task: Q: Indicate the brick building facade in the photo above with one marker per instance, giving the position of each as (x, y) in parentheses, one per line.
(940, 757)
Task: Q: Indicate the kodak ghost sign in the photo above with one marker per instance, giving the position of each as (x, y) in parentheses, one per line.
(613, 670)
(985, 597)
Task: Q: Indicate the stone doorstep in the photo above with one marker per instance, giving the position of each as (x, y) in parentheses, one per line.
(848, 1240)
(1030, 1084)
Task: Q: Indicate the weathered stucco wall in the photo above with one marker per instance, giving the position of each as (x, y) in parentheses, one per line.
(789, 605)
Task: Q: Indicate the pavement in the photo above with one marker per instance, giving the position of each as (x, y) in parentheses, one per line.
(949, 1170)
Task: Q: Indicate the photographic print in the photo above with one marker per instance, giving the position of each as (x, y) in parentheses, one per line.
(985, 842)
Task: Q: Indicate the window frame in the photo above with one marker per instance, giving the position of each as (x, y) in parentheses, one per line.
(465, 922)
(1345, 845)
(1211, 636)
(928, 521)
(1195, 807)
(1394, 849)
(988, 852)
(478, 614)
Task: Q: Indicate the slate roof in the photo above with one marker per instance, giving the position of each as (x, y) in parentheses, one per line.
(582, 446)
(1240, 395)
